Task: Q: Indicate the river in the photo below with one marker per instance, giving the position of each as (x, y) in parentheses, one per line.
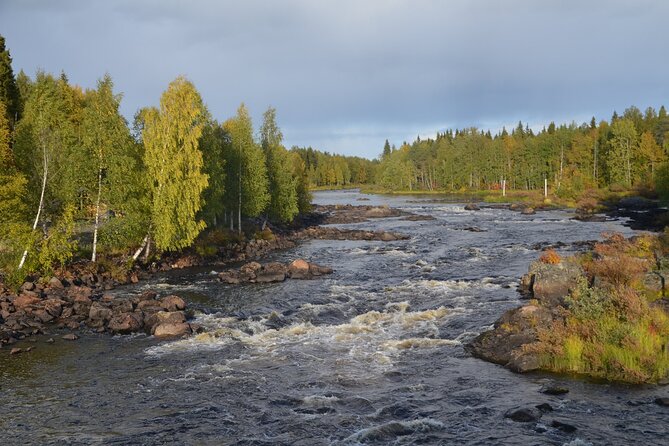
(372, 354)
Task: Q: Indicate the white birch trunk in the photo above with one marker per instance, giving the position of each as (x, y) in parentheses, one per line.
(97, 217)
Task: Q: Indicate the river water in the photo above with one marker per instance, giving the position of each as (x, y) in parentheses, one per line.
(372, 354)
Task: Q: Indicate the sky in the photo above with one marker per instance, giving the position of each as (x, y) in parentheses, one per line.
(345, 75)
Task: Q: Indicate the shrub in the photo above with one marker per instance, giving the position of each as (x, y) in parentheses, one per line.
(551, 257)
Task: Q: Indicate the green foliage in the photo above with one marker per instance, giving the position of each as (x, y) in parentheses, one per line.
(212, 144)
(58, 246)
(283, 203)
(610, 331)
(174, 165)
(9, 92)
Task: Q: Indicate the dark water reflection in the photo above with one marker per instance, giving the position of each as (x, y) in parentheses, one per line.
(370, 355)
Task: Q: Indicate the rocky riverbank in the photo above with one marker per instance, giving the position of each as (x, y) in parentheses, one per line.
(78, 300)
(601, 314)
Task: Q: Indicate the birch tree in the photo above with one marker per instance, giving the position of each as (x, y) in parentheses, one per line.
(174, 165)
(105, 136)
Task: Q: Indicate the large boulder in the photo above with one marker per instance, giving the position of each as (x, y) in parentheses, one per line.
(299, 269)
(271, 272)
(99, 314)
(170, 329)
(163, 317)
(173, 303)
(514, 330)
(551, 283)
(472, 207)
(126, 323)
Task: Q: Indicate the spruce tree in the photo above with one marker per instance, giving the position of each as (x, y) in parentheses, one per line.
(9, 93)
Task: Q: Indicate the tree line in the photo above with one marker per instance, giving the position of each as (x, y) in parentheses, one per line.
(627, 151)
(70, 164)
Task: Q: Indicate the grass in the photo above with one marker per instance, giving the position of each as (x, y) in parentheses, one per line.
(611, 330)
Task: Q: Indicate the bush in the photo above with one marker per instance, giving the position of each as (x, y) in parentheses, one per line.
(551, 257)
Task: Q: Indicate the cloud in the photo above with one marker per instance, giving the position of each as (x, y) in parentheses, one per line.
(386, 68)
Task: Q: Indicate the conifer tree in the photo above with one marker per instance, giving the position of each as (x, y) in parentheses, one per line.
(9, 93)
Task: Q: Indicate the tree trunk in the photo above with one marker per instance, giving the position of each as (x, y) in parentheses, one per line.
(141, 247)
(147, 250)
(41, 203)
(97, 216)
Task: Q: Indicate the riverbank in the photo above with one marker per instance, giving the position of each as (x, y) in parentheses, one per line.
(601, 314)
(78, 297)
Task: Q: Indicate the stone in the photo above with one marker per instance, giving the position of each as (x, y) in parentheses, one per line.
(523, 414)
(387, 237)
(229, 277)
(55, 283)
(99, 312)
(42, 315)
(528, 211)
(553, 389)
(150, 305)
(15, 351)
(662, 401)
(148, 295)
(50, 341)
(298, 269)
(544, 407)
(70, 337)
(54, 307)
(163, 317)
(564, 427)
(550, 284)
(171, 330)
(27, 286)
(472, 207)
(173, 303)
(125, 323)
(271, 272)
(25, 300)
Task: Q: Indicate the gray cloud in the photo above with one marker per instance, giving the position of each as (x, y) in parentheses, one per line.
(344, 75)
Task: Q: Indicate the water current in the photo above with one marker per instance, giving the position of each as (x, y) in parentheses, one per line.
(372, 354)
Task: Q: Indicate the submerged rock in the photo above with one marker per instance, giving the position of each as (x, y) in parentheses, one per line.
(472, 207)
(523, 414)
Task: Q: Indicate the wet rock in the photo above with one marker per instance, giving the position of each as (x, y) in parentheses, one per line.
(387, 237)
(15, 351)
(125, 323)
(553, 389)
(472, 207)
(564, 427)
(70, 337)
(171, 330)
(419, 218)
(50, 341)
(151, 306)
(515, 329)
(229, 277)
(163, 317)
(473, 229)
(662, 401)
(528, 211)
(173, 303)
(544, 407)
(271, 272)
(523, 414)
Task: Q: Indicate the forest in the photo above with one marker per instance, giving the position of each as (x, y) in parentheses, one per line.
(78, 180)
(629, 151)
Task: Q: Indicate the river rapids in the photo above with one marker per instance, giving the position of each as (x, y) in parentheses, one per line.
(372, 354)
